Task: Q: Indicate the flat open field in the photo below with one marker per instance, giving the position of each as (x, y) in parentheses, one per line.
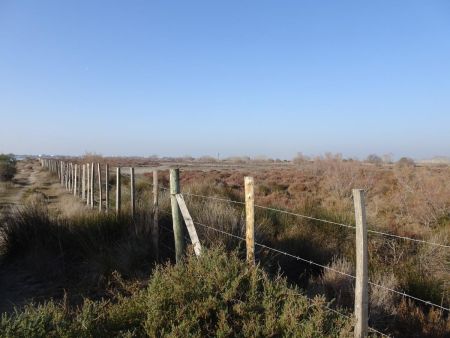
(91, 249)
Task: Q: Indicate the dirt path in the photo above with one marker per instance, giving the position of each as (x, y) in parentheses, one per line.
(18, 286)
(11, 193)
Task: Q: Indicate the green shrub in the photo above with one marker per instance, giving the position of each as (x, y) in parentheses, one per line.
(215, 295)
(7, 167)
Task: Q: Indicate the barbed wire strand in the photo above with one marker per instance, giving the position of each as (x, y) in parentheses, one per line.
(327, 307)
(327, 268)
(335, 311)
(320, 220)
(409, 296)
(279, 251)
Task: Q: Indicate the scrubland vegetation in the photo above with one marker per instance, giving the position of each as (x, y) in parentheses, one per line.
(102, 280)
(402, 199)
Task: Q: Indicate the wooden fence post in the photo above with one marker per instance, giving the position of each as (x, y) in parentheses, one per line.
(362, 279)
(106, 187)
(72, 177)
(118, 191)
(250, 219)
(83, 182)
(66, 176)
(132, 192)
(155, 225)
(61, 164)
(75, 185)
(92, 185)
(100, 197)
(178, 230)
(88, 184)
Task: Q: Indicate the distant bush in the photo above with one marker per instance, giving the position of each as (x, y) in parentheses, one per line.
(406, 162)
(7, 167)
(374, 159)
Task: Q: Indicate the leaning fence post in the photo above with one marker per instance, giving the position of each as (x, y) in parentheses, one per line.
(132, 192)
(250, 219)
(100, 197)
(118, 191)
(178, 230)
(155, 227)
(362, 279)
(106, 187)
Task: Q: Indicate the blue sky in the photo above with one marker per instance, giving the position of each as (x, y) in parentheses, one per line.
(235, 77)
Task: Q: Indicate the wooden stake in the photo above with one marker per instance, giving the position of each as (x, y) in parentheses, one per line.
(83, 182)
(106, 187)
(250, 219)
(62, 172)
(362, 279)
(92, 185)
(88, 184)
(75, 181)
(132, 193)
(66, 175)
(178, 230)
(155, 225)
(118, 191)
(72, 177)
(100, 197)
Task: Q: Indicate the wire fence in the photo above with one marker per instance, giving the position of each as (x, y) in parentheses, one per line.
(318, 219)
(305, 260)
(311, 262)
(324, 267)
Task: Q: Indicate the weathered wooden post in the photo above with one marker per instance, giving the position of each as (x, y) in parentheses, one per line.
(75, 185)
(88, 184)
(250, 219)
(69, 183)
(362, 279)
(66, 178)
(132, 192)
(100, 197)
(106, 187)
(178, 230)
(155, 226)
(92, 185)
(83, 182)
(72, 178)
(62, 172)
(118, 191)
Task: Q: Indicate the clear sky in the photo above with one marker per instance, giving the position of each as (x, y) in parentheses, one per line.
(234, 77)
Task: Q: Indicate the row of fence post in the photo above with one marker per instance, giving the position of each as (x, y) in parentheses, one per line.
(79, 179)
(68, 174)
